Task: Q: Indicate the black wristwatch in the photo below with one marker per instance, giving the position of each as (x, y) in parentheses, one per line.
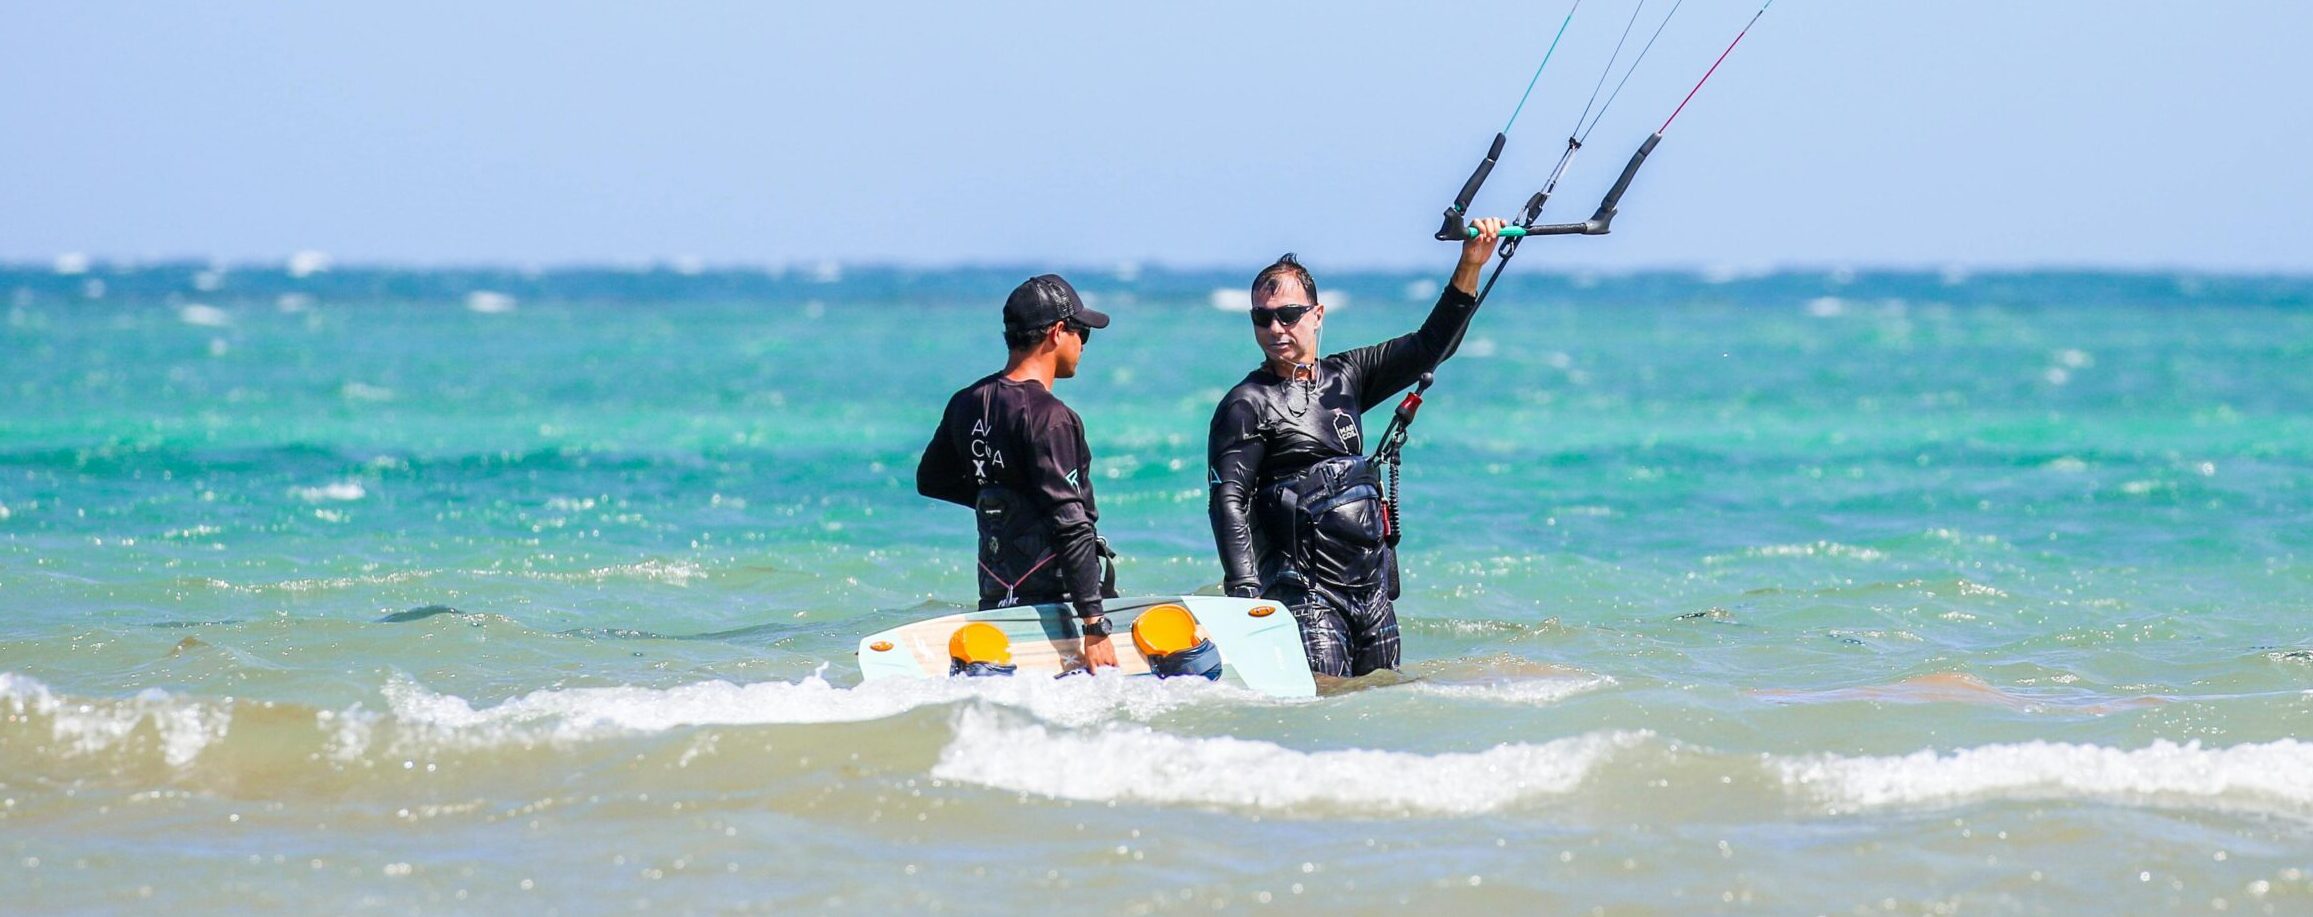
(1096, 626)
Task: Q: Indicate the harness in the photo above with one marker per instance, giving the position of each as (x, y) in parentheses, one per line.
(1010, 535)
(1330, 522)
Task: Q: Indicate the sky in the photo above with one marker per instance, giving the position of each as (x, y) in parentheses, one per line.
(1842, 133)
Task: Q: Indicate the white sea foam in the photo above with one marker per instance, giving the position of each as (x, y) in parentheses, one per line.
(204, 316)
(1130, 763)
(340, 491)
(678, 573)
(2246, 776)
(577, 713)
(1815, 549)
(1527, 691)
(308, 263)
(1235, 299)
(362, 391)
(71, 264)
(184, 728)
(489, 303)
(582, 713)
(349, 732)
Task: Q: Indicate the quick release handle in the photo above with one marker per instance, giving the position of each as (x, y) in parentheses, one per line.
(1412, 403)
(1451, 229)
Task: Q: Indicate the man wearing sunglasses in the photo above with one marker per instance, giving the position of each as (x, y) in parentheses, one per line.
(1296, 509)
(1007, 448)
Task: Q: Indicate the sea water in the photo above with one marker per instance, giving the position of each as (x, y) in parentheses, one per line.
(503, 591)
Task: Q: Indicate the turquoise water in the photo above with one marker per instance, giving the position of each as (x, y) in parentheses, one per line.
(1798, 592)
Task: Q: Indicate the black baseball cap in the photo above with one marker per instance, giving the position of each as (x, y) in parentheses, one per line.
(1045, 298)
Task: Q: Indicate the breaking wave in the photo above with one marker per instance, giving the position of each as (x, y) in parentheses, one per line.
(1131, 763)
(2242, 776)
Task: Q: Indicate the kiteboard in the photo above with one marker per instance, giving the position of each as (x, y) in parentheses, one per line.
(1256, 641)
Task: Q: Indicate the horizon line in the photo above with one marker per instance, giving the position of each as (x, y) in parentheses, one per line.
(308, 263)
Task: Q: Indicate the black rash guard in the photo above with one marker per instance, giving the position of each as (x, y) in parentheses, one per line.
(1269, 429)
(1016, 455)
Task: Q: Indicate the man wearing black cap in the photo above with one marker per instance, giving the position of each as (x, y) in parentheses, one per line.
(1008, 448)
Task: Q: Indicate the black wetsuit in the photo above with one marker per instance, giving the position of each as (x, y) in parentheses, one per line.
(1296, 509)
(1014, 454)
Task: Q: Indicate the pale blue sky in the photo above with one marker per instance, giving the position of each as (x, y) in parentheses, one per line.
(1980, 133)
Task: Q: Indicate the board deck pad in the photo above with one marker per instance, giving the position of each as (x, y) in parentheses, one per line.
(1262, 653)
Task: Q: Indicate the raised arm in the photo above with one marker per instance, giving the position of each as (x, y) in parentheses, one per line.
(1384, 369)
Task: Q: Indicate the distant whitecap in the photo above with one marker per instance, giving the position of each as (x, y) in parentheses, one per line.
(308, 263)
(338, 491)
(71, 263)
(204, 316)
(489, 303)
(1231, 299)
(358, 391)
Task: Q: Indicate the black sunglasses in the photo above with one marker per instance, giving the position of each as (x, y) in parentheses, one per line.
(1083, 331)
(1283, 315)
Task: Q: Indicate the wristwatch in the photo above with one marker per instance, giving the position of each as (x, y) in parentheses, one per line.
(1096, 626)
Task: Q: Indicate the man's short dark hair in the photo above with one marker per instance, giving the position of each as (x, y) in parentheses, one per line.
(1024, 338)
(1272, 277)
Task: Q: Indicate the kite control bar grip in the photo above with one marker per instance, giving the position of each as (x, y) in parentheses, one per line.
(1451, 229)
(1613, 200)
(1547, 229)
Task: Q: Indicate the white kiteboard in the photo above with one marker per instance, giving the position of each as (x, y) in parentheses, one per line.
(1258, 640)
